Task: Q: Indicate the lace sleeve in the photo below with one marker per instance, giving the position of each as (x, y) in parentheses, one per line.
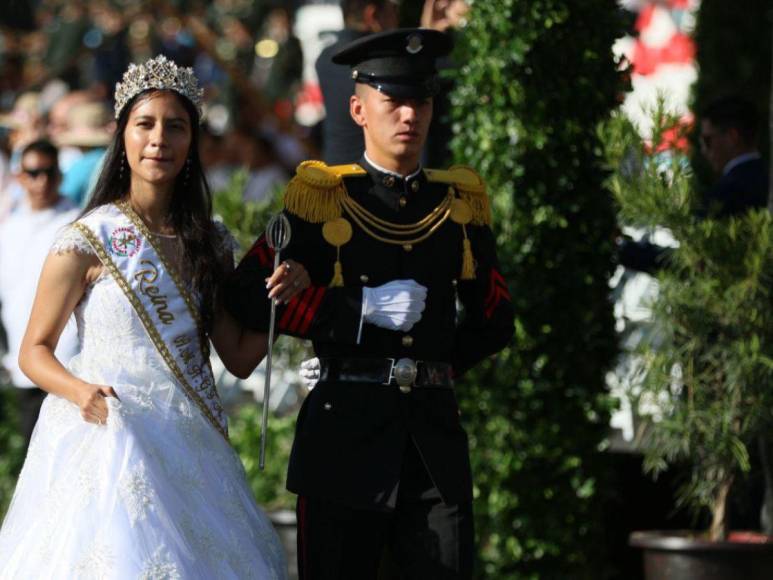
(226, 243)
(70, 239)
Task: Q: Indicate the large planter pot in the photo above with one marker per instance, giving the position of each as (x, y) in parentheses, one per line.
(674, 555)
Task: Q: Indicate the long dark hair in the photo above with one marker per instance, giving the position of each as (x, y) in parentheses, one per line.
(190, 210)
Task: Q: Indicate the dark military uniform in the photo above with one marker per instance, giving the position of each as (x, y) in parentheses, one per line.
(375, 462)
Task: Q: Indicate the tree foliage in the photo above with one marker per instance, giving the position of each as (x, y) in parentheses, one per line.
(537, 78)
(710, 365)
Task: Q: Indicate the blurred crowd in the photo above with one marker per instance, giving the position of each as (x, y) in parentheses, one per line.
(60, 60)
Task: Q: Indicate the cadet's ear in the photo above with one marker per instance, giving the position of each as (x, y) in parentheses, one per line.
(357, 109)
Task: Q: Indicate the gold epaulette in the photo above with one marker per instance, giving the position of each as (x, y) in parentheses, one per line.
(316, 191)
(470, 186)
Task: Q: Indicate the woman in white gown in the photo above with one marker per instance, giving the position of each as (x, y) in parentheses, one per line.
(129, 473)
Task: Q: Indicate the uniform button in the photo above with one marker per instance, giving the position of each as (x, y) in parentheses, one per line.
(388, 180)
(454, 282)
(327, 406)
(407, 247)
(402, 201)
(415, 186)
(364, 278)
(407, 341)
(406, 389)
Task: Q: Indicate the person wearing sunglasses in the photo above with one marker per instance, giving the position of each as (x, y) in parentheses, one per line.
(25, 239)
(728, 138)
(728, 142)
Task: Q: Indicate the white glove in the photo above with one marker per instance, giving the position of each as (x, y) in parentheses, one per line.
(309, 373)
(396, 305)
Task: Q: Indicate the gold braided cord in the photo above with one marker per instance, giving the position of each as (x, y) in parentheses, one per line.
(391, 227)
(410, 242)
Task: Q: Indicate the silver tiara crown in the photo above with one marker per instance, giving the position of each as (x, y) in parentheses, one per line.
(158, 73)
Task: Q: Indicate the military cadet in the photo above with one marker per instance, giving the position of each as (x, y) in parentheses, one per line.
(380, 458)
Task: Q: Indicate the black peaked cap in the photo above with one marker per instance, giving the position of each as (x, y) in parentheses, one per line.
(400, 63)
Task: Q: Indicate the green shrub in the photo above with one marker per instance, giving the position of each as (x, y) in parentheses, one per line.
(246, 220)
(267, 485)
(11, 447)
(709, 366)
(537, 78)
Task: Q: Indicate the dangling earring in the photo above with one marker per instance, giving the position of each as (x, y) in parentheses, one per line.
(123, 161)
(187, 171)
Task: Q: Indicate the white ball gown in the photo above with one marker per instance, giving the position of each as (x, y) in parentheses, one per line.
(157, 493)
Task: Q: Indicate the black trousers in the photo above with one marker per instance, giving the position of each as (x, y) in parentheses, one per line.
(30, 401)
(423, 538)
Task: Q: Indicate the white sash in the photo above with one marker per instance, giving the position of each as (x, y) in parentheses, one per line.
(163, 303)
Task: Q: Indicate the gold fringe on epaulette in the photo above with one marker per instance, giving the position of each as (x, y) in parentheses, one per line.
(468, 261)
(479, 202)
(312, 203)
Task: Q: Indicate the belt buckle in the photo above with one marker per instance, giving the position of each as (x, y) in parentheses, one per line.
(404, 372)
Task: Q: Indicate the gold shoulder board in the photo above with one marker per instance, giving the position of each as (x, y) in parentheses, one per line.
(316, 191)
(470, 186)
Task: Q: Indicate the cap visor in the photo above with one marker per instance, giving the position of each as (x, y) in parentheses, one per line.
(401, 91)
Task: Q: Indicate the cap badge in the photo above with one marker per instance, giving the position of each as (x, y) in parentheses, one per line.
(355, 74)
(415, 44)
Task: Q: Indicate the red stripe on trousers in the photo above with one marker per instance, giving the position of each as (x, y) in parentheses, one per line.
(302, 539)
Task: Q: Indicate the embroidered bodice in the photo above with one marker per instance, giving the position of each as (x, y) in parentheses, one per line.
(114, 344)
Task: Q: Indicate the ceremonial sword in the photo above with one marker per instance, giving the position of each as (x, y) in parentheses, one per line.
(277, 237)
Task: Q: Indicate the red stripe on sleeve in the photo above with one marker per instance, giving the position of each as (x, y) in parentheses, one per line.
(262, 251)
(288, 313)
(262, 257)
(258, 243)
(311, 311)
(303, 304)
(491, 287)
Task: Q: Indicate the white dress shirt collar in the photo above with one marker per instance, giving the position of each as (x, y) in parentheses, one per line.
(733, 163)
(382, 170)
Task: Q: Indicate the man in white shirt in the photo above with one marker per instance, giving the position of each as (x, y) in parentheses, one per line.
(25, 241)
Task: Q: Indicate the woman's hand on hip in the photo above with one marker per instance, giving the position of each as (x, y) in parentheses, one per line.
(92, 403)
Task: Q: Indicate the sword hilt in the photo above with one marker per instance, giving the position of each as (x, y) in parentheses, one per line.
(278, 232)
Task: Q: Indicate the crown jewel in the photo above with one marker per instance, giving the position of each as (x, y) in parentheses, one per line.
(158, 73)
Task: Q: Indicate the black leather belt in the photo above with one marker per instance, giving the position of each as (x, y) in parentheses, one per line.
(405, 373)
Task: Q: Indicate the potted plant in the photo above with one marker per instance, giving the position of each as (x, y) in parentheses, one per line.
(707, 375)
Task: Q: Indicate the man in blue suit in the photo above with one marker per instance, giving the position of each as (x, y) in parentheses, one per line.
(728, 140)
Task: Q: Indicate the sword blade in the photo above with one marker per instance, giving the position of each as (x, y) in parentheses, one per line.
(267, 383)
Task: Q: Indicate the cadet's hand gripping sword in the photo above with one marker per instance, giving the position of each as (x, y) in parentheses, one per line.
(277, 238)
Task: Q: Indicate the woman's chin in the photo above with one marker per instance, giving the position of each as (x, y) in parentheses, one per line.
(158, 178)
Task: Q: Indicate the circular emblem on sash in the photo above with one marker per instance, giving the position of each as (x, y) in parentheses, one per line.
(125, 242)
